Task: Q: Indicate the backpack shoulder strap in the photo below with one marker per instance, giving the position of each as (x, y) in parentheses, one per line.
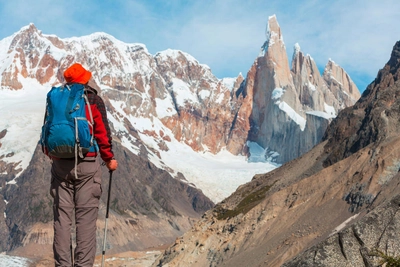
(90, 90)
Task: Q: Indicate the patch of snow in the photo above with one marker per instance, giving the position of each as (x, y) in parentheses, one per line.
(343, 225)
(272, 37)
(296, 50)
(5, 214)
(330, 110)
(57, 53)
(128, 144)
(277, 93)
(229, 83)
(14, 181)
(174, 54)
(13, 261)
(5, 58)
(118, 125)
(183, 93)
(165, 107)
(220, 98)
(297, 118)
(216, 175)
(320, 114)
(334, 78)
(311, 86)
(203, 94)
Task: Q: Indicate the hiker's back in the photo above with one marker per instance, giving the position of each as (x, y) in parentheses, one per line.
(66, 132)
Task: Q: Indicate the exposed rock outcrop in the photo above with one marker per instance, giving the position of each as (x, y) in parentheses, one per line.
(284, 101)
(358, 244)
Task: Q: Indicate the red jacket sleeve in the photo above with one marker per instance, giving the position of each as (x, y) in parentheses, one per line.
(101, 128)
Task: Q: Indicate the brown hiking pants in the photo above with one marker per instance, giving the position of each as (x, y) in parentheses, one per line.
(81, 195)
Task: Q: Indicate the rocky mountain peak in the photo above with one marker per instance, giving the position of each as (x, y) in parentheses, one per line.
(372, 119)
(274, 51)
(272, 34)
(29, 29)
(31, 55)
(311, 88)
(303, 98)
(340, 83)
(390, 73)
(296, 51)
(394, 60)
(27, 38)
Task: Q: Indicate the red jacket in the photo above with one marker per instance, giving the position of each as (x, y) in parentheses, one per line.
(102, 132)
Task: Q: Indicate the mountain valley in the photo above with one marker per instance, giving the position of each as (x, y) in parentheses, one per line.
(221, 168)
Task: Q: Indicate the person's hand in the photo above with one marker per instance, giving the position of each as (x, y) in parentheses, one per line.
(112, 165)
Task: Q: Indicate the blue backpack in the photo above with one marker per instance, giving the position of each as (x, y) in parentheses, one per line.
(66, 132)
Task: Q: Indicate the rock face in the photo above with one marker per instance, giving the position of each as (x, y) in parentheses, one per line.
(284, 100)
(340, 84)
(358, 244)
(372, 119)
(336, 205)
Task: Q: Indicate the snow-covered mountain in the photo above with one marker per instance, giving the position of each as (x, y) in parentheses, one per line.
(170, 113)
(176, 105)
(159, 97)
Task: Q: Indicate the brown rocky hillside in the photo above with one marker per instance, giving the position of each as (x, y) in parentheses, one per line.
(333, 206)
(144, 199)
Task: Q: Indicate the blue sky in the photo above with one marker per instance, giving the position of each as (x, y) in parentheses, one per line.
(227, 34)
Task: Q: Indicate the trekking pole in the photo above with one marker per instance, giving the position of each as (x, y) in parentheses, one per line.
(72, 252)
(105, 227)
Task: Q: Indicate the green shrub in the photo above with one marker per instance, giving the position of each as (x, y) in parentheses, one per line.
(391, 261)
(247, 203)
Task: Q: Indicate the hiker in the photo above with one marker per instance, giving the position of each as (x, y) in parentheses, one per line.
(76, 181)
